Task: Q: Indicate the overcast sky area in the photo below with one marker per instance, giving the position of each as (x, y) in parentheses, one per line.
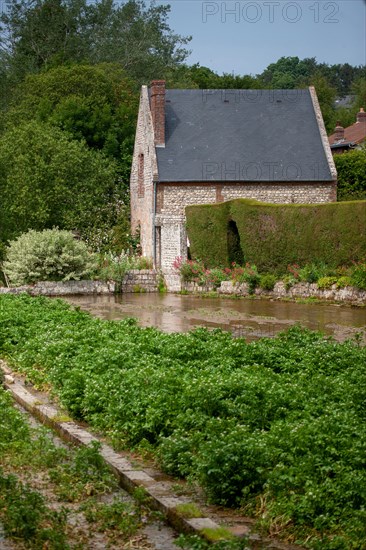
(245, 36)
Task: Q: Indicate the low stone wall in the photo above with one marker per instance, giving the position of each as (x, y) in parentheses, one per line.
(53, 288)
(147, 280)
(143, 280)
(348, 294)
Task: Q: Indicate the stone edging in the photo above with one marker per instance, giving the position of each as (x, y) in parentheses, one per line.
(135, 280)
(347, 295)
(59, 288)
(147, 281)
(161, 496)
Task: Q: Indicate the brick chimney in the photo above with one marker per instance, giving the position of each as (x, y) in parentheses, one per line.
(157, 105)
(361, 115)
(339, 132)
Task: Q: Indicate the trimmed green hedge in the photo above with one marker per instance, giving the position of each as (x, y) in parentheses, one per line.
(207, 230)
(275, 235)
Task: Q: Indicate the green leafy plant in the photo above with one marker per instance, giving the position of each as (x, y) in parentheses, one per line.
(344, 281)
(310, 273)
(121, 517)
(25, 516)
(351, 169)
(327, 282)
(358, 275)
(49, 255)
(289, 281)
(268, 281)
(115, 266)
(248, 274)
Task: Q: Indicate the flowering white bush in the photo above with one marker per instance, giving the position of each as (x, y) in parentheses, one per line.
(49, 255)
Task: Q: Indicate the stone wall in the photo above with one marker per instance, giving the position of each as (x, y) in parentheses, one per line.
(147, 280)
(173, 198)
(143, 280)
(51, 288)
(348, 294)
(142, 193)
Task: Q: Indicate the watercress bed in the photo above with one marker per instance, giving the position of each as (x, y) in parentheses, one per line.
(274, 427)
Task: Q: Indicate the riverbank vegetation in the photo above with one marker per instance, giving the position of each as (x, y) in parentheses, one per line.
(55, 255)
(324, 276)
(275, 428)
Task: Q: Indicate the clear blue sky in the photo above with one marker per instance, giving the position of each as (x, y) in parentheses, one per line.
(245, 36)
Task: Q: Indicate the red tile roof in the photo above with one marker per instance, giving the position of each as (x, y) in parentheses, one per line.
(356, 133)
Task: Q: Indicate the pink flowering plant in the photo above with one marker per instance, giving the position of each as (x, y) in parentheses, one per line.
(195, 271)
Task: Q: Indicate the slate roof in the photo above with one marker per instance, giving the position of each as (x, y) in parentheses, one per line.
(241, 135)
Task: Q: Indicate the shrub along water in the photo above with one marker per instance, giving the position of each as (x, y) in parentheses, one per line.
(275, 427)
(325, 277)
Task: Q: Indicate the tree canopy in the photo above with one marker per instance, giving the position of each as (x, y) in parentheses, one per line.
(95, 103)
(48, 179)
(40, 34)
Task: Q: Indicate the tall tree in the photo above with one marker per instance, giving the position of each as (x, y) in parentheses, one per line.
(47, 179)
(39, 34)
(95, 103)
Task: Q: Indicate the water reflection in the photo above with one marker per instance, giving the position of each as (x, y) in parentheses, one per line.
(248, 318)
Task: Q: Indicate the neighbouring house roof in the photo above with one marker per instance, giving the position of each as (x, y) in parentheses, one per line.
(352, 135)
(241, 135)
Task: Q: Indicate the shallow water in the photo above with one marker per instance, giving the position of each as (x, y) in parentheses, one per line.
(243, 317)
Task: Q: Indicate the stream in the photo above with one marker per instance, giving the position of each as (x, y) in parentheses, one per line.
(244, 317)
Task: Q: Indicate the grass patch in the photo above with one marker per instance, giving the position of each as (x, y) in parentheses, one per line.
(189, 510)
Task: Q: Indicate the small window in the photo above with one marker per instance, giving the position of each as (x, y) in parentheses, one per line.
(140, 176)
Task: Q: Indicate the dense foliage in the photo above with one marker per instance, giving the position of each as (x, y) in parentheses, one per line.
(92, 103)
(48, 179)
(276, 427)
(275, 236)
(351, 169)
(46, 33)
(49, 255)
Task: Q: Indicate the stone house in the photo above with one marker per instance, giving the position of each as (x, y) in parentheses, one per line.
(352, 137)
(207, 146)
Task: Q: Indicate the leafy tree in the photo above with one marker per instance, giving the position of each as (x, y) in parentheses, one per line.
(326, 96)
(288, 72)
(351, 168)
(97, 104)
(359, 89)
(40, 34)
(47, 179)
(138, 37)
(43, 33)
(196, 76)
